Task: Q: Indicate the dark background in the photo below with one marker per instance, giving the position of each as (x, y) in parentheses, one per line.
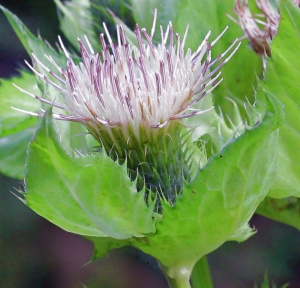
(34, 253)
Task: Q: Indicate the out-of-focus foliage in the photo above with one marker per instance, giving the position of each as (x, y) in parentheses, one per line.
(285, 210)
(266, 284)
(16, 129)
(282, 75)
(76, 21)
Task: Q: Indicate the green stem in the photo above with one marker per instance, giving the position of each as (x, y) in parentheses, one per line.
(177, 278)
(178, 282)
(201, 277)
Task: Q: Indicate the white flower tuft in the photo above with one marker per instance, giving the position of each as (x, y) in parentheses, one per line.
(125, 85)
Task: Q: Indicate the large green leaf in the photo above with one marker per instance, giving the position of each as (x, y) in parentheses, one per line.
(282, 80)
(88, 195)
(12, 121)
(222, 197)
(13, 153)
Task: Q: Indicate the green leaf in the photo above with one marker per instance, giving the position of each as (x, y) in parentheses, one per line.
(282, 80)
(12, 121)
(87, 195)
(13, 153)
(16, 128)
(201, 276)
(34, 44)
(242, 234)
(221, 198)
(103, 245)
(77, 22)
(286, 210)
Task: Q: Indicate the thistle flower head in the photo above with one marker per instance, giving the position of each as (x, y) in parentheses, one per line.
(259, 37)
(133, 99)
(296, 2)
(127, 85)
(271, 16)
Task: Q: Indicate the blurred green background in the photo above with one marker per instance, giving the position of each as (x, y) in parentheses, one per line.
(34, 253)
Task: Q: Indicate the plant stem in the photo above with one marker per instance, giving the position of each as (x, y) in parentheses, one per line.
(201, 277)
(178, 282)
(180, 277)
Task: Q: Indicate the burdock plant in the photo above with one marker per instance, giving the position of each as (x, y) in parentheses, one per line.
(142, 157)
